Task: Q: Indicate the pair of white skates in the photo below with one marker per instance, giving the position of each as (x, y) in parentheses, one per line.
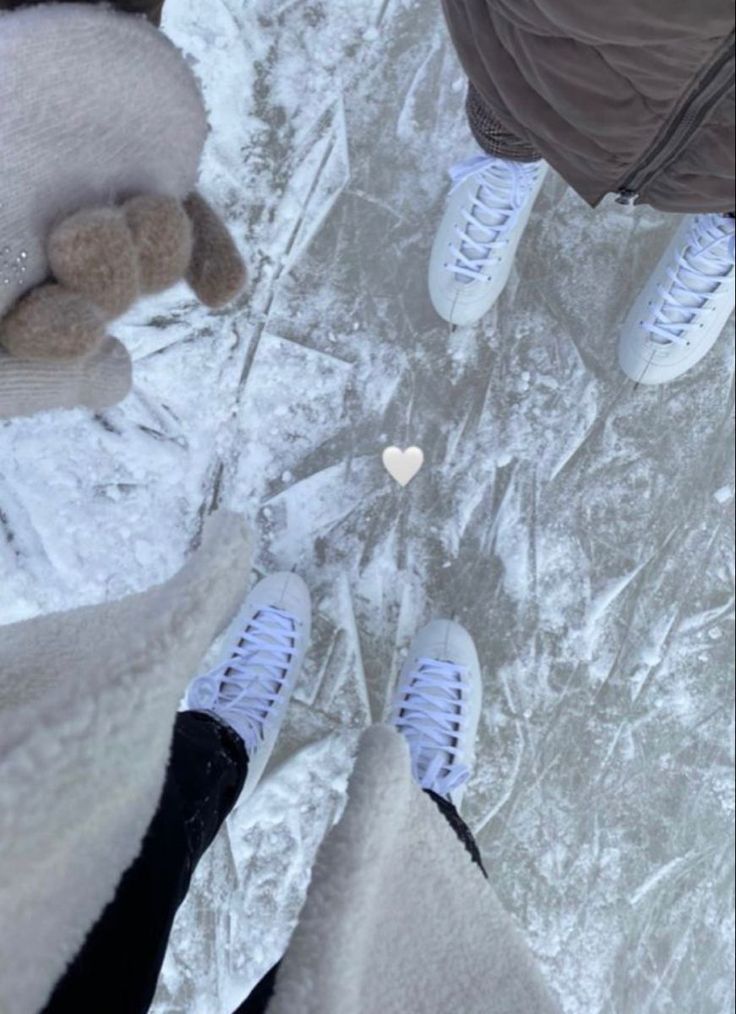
(436, 706)
(673, 323)
(677, 317)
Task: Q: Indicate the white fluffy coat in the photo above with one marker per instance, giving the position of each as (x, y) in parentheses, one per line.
(87, 702)
(398, 919)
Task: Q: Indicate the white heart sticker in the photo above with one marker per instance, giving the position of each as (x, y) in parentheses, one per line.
(403, 465)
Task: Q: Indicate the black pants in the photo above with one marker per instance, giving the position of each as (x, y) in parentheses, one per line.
(119, 964)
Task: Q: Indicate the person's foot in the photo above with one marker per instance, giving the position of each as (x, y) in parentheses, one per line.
(486, 213)
(684, 307)
(263, 651)
(437, 706)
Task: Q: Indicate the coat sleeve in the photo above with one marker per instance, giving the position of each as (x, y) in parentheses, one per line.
(84, 748)
(152, 9)
(398, 917)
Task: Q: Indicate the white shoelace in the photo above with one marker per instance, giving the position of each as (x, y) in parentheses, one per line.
(246, 690)
(503, 189)
(696, 280)
(432, 720)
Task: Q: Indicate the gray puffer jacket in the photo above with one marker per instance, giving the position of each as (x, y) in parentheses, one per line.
(634, 97)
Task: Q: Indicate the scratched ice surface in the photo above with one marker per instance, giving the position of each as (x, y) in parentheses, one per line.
(581, 528)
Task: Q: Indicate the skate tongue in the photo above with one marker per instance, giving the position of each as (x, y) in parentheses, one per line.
(492, 214)
(448, 702)
(265, 670)
(708, 267)
(491, 217)
(715, 263)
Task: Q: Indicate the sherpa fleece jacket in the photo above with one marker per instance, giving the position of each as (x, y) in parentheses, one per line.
(634, 97)
(152, 9)
(398, 919)
(87, 705)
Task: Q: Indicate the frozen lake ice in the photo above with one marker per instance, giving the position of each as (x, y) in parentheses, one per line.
(580, 527)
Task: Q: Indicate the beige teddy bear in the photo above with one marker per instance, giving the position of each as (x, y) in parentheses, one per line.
(103, 259)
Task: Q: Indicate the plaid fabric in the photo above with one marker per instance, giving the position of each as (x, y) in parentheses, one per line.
(493, 138)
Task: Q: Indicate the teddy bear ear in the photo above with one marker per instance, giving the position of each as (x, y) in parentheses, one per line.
(162, 236)
(216, 272)
(92, 252)
(51, 322)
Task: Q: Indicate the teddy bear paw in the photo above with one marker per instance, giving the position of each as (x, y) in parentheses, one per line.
(51, 322)
(162, 235)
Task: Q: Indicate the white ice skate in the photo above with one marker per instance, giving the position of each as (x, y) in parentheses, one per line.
(437, 707)
(487, 211)
(684, 307)
(262, 654)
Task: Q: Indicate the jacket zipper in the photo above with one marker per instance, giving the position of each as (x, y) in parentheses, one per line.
(712, 87)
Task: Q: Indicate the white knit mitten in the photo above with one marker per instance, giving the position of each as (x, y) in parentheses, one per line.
(96, 381)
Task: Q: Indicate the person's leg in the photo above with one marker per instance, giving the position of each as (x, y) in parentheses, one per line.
(684, 306)
(461, 829)
(486, 213)
(257, 1001)
(437, 708)
(119, 964)
(492, 136)
(220, 747)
